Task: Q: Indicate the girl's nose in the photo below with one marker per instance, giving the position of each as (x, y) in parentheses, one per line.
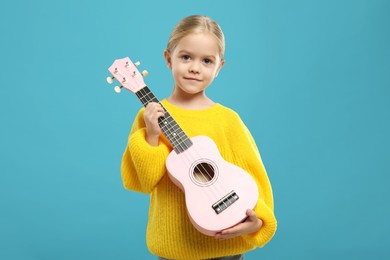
(194, 68)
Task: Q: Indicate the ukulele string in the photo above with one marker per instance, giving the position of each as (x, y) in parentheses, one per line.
(181, 142)
(189, 159)
(216, 187)
(148, 99)
(167, 127)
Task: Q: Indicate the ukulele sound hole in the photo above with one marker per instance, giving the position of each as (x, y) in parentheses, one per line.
(203, 172)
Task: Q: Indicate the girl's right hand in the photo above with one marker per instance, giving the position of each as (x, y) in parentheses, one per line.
(152, 112)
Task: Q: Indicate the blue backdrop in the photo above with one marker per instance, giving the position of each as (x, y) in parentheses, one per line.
(314, 83)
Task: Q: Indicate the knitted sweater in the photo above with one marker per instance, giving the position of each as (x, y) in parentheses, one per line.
(170, 233)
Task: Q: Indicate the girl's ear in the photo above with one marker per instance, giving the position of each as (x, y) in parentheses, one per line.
(167, 57)
(220, 67)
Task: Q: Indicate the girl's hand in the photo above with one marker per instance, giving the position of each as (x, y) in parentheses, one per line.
(152, 112)
(250, 225)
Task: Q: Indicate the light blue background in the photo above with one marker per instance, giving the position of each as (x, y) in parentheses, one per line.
(309, 78)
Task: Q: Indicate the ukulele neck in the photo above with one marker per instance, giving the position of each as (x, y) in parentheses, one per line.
(176, 136)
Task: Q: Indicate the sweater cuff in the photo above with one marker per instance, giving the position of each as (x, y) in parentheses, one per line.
(149, 160)
(267, 230)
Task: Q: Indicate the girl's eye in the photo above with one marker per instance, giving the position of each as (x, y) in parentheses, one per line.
(186, 57)
(207, 61)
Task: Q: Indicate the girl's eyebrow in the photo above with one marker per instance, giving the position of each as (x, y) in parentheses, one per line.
(185, 51)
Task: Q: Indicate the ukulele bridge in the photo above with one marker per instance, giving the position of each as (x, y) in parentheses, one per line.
(225, 202)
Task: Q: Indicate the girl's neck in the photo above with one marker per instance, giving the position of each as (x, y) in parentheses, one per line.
(184, 100)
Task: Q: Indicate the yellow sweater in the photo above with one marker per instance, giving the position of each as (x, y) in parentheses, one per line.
(170, 233)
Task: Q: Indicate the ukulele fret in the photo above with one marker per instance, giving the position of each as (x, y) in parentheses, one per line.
(146, 97)
(174, 133)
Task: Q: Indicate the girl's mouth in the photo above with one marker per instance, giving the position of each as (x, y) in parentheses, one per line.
(193, 79)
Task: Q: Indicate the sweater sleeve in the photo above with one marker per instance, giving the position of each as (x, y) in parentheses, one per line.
(247, 156)
(143, 165)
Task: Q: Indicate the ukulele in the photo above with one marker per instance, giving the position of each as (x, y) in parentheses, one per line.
(217, 193)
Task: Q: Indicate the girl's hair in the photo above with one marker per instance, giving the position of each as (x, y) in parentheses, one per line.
(197, 24)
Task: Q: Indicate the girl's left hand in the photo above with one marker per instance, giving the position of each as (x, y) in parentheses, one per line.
(250, 225)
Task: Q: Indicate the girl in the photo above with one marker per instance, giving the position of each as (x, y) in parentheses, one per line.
(195, 55)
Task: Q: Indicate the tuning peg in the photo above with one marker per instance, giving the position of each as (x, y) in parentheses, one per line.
(118, 89)
(110, 80)
(137, 63)
(145, 73)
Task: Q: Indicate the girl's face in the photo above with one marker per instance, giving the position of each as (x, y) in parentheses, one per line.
(195, 62)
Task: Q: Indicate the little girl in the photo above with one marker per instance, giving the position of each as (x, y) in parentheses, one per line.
(195, 54)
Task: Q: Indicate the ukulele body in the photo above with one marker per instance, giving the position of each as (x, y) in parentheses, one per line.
(217, 193)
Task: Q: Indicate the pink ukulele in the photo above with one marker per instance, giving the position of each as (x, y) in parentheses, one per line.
(217, 192)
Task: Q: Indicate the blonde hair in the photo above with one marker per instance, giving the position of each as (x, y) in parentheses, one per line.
(197, 24)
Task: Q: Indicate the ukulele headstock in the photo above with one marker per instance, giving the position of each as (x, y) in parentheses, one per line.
(125, 72)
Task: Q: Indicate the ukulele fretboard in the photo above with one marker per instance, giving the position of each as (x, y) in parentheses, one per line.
(168, 125)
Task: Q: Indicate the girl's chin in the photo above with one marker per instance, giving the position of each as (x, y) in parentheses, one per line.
(191, 90)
